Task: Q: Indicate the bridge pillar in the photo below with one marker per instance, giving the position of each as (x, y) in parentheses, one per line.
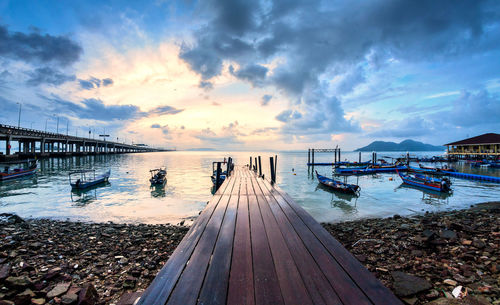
(33, 146)
(7, 145)
(42, 145)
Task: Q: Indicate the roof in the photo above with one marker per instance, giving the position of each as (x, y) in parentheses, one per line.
(487, 138)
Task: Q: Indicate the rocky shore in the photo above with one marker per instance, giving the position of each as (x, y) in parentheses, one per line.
(57, 262)
(437, 258)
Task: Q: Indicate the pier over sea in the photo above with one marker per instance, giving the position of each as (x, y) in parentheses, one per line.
(252, 244)
(37, 143)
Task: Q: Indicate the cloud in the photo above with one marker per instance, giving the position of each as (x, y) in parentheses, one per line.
(164, 110)
(156, 126)
(94, 109)
(229, 135)
(107, 82)
(37, 48)
(311, 42)
(48, 76)
(254, 74)
(288, 115)
(412, 127)
(474, 109)
(206, 85)
(266, 99)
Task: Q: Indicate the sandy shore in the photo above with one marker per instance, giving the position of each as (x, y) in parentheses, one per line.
(422, 258)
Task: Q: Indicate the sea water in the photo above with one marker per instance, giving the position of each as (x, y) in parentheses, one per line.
(129, 197)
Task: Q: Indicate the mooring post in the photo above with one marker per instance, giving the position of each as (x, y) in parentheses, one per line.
(339, 154)
(217, 176)
(373, 157)
(275, 165)
(229, 162)
(407, 158)
(312, 156)
(359, 158)
(250, 164)
(260, 168)
(271, 163)
(308, 156)
(255, 166)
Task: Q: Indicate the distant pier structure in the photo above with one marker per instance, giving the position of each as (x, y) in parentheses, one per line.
(482, 146)
(336, 156)
(36, 143)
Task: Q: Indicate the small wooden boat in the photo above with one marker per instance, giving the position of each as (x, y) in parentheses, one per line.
(442, 169)
(17, 169)
(87, 178)
(158, 176)
(222, 175)
(337, 185)
(419, 180)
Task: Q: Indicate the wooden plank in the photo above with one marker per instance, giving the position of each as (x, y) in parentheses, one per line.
(344, 286)
(241, 288)
(215, 285)
(164, 282)
(371, 286)
(317, 284)
(292, 287)
(267, 289)
(188, 287)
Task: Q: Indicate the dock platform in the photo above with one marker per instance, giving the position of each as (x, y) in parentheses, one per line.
(252, 244)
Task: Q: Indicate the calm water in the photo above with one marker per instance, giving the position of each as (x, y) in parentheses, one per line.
(129, 198)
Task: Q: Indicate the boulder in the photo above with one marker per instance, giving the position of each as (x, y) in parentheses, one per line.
(407, 284)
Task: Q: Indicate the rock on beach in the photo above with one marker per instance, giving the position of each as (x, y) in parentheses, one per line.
(423, 258)
(61, 262)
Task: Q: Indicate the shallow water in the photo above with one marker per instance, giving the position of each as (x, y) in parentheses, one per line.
(129, 198)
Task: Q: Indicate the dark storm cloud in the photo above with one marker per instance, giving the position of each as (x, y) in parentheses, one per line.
(266, 99)
(37, 48)
(254, 74)
(164, 110)
(48, 76)
(314, 39)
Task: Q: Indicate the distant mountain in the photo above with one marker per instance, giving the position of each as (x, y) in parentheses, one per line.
(406, 145)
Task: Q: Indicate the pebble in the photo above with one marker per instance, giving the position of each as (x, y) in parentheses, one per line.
(54, 262)
(446, 249)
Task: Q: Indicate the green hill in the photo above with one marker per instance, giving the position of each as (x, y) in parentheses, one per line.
(406, 145)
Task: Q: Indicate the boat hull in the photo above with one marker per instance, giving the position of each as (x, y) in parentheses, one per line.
(430, 184)
(4, 176)
(337, 185)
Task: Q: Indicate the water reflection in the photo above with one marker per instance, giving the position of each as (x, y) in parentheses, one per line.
(341, 200)
(429, 196)
(158, 191)
(81, 197)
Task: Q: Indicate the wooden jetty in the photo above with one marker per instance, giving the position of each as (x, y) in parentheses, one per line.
(253, 244)
(57, 145)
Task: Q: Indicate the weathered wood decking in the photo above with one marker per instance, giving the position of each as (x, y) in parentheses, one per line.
(253, 245)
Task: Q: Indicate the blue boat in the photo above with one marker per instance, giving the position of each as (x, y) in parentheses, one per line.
(17, 169)
(422, 181)
(365, 171)
(337, 185)
(87, 178)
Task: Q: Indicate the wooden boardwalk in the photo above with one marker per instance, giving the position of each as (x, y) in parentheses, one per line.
(253, 244)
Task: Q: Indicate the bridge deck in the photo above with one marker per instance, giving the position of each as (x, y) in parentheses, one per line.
(253, 245)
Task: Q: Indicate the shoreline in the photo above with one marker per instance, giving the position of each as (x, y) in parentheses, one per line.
(421, 258)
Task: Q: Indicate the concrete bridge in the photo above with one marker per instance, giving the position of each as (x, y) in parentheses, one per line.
(36, 143)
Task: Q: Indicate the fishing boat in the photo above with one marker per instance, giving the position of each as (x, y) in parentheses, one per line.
(222, 174)
(337, 185)
(83, 179)
(442, 169)
(158, 176)
(17, 169)
(419, 180)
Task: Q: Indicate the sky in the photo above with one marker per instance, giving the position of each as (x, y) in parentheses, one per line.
(252, 75)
